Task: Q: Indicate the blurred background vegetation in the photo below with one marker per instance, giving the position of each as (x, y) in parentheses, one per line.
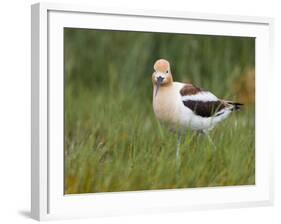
(113, 141)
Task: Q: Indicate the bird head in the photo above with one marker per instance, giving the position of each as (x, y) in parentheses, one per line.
(162, 74)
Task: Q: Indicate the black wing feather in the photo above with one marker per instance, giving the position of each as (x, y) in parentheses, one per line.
(204, 108)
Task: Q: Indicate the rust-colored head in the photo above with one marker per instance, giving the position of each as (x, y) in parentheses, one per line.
(162, 74)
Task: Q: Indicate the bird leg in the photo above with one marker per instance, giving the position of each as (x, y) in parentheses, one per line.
(208, 137)
(210, 140)
(178, 147)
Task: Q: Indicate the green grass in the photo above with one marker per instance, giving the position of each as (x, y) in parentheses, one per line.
(114, 145)
(113, 141)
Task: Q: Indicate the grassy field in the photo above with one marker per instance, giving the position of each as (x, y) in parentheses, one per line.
(113, 141)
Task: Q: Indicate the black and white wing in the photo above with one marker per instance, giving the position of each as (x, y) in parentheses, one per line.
(201, 102)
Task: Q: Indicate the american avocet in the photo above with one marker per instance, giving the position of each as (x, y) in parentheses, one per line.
(183, 106)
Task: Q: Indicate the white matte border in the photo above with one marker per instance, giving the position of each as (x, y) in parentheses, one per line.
(59, 206)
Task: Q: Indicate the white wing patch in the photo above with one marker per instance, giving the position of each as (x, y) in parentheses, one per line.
(201, 96)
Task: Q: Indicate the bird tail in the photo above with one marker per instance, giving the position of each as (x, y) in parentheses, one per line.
(235, 105)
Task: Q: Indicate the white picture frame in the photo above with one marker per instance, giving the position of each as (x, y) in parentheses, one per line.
(48, 200)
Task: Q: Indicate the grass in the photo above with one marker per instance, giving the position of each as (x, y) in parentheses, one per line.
(113, 141)
(115, 147)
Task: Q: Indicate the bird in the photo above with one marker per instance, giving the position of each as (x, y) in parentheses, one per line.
(184, 106)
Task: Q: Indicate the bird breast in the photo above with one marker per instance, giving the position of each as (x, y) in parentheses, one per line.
(166, 104)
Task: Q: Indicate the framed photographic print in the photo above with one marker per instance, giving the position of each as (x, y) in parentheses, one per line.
(148, 111)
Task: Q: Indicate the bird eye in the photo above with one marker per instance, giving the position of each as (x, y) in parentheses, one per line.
(167, 71)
